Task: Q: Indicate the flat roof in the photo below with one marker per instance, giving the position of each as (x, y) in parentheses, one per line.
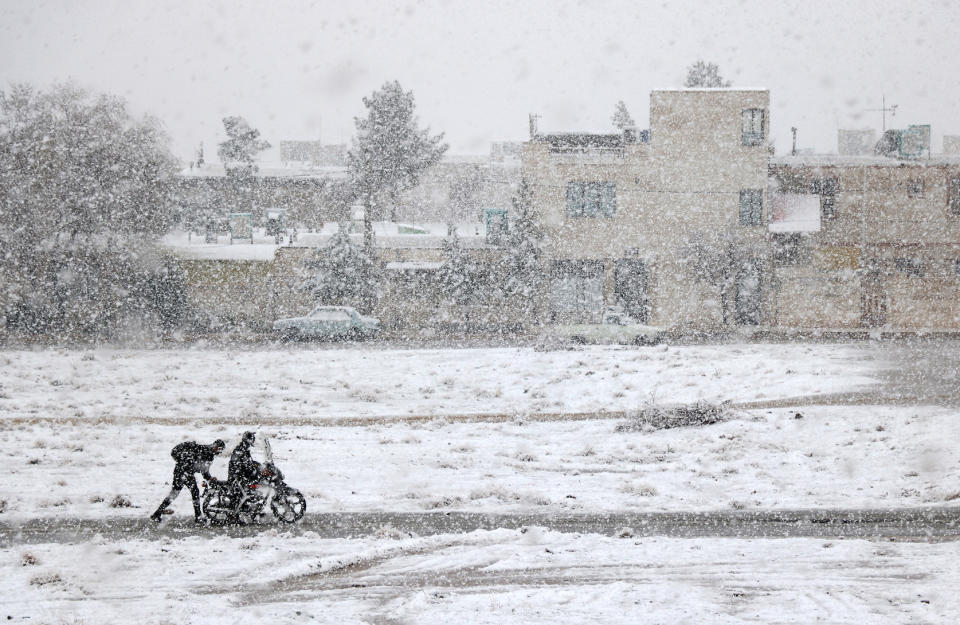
(826, 160)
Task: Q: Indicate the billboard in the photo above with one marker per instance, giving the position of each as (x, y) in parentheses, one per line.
(914, 141)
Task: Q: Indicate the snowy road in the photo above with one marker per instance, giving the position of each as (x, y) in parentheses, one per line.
(908, 524)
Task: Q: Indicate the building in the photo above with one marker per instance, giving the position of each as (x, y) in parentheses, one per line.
(700, 227)
(691, 225)
(885, 252)
(621, 213)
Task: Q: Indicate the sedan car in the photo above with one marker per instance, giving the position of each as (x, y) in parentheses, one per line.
(328, 322)
(615, 328)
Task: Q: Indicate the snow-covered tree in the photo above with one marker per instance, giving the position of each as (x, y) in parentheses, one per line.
(464, 195)
(389, 151)
(237, 153)
(525, 276)
(84, 189)
(242, 145)
(703, 74)
(621, 117)
(342, 273)
(455, 276)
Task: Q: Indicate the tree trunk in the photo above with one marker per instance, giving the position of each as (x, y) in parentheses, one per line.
(368, 224)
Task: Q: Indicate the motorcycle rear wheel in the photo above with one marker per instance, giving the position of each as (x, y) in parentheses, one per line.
(289, 506)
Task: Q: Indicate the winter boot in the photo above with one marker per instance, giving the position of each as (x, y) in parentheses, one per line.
(161, 510)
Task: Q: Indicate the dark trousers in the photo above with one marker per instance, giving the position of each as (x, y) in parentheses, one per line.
(182, 476)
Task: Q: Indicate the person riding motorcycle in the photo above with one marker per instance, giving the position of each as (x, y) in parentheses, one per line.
(242, 469)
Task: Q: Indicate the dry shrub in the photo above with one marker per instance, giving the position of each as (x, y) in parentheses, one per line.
(663, 418)
(120, 502)
(45, 578)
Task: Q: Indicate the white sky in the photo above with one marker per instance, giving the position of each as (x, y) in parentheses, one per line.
(298, 70)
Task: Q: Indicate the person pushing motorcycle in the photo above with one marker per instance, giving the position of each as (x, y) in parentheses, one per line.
(191, 458)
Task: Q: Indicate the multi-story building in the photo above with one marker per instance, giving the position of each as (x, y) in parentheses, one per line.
(689, 225)
(885, 251)
(622, 212)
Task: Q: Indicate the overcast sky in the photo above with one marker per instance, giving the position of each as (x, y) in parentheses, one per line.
(298, 70)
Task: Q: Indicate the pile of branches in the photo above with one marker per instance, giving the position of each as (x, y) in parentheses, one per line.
(666, 417)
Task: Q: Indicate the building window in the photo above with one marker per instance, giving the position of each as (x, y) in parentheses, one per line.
(915, 187)
(591, 199)
(909, 266)
(751, 207)
(752, 126)
(826, 188)
(954, 196)
(956, 267)
(788, 248)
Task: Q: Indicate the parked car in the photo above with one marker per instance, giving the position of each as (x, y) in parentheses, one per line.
(328, 322)
(615, 328)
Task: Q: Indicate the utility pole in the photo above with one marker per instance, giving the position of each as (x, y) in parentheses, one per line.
(883, 109)
(793, 129)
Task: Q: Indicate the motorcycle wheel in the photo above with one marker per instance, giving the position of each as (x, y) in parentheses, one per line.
(218, 506)
(289, 507)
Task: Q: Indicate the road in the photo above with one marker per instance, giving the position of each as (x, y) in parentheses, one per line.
(905, 524)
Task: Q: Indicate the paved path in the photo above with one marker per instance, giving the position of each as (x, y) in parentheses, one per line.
(905, 524)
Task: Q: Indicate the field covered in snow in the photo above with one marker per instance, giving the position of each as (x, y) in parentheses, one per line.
(300, 384)
(484, 430)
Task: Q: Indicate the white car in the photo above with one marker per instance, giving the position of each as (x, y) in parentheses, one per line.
(328, 322)
(616, 328)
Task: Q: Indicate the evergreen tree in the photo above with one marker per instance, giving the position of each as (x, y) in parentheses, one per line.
(389, 151)
(525, 278)
(242, 145)
(621, 117)
(237, 154)
(455, 276)
(342, 273)
(702, 74)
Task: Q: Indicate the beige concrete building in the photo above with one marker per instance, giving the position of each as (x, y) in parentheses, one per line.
(682, 230)
(620, 212)
(886, 251)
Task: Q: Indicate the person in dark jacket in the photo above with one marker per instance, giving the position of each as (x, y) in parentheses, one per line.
(243, 469)
(191, 458)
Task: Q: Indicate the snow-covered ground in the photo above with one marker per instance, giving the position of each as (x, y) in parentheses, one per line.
(833, 456)
(493, 430)
(484, 577)
(299, 385)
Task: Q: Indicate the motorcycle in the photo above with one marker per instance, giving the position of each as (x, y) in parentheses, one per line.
(225, 503)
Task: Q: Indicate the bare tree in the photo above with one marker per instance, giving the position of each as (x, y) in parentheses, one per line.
(703, 74)
(725, 261)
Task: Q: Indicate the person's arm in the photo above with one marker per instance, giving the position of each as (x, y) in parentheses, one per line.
(205, 471)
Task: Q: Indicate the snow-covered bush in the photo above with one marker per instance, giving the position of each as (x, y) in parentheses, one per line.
(342, 273)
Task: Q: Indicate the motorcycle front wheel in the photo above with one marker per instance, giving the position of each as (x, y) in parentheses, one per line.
(289, 506)
(218, 506)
